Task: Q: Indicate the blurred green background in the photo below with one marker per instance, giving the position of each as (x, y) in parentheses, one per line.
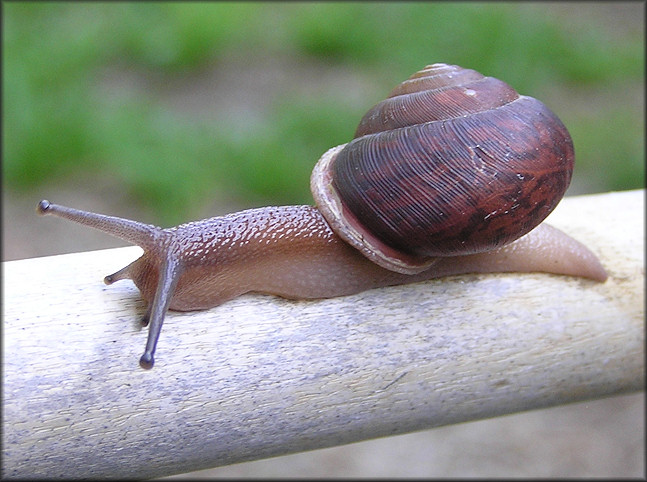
(178, 103)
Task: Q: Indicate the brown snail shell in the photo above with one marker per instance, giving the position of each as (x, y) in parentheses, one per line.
(451, 163)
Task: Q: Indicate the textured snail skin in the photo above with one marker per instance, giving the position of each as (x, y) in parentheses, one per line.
(291, 251)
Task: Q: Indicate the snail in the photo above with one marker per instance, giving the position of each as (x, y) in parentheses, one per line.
(453, 173)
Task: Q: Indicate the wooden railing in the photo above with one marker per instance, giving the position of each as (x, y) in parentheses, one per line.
(261, 376)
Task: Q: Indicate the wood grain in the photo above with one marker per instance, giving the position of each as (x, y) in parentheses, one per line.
(261, 376)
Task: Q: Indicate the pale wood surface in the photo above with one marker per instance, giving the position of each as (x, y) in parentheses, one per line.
(261, 376)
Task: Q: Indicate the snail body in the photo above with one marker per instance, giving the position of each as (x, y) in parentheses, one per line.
(417, 194)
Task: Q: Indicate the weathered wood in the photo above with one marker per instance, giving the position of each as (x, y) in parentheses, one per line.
(261, 376)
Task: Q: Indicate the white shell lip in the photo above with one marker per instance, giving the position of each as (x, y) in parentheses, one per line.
(332, 209)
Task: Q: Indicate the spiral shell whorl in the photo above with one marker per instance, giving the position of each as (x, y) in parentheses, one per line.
(462, 167)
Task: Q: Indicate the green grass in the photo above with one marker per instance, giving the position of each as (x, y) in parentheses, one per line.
(58, 120)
